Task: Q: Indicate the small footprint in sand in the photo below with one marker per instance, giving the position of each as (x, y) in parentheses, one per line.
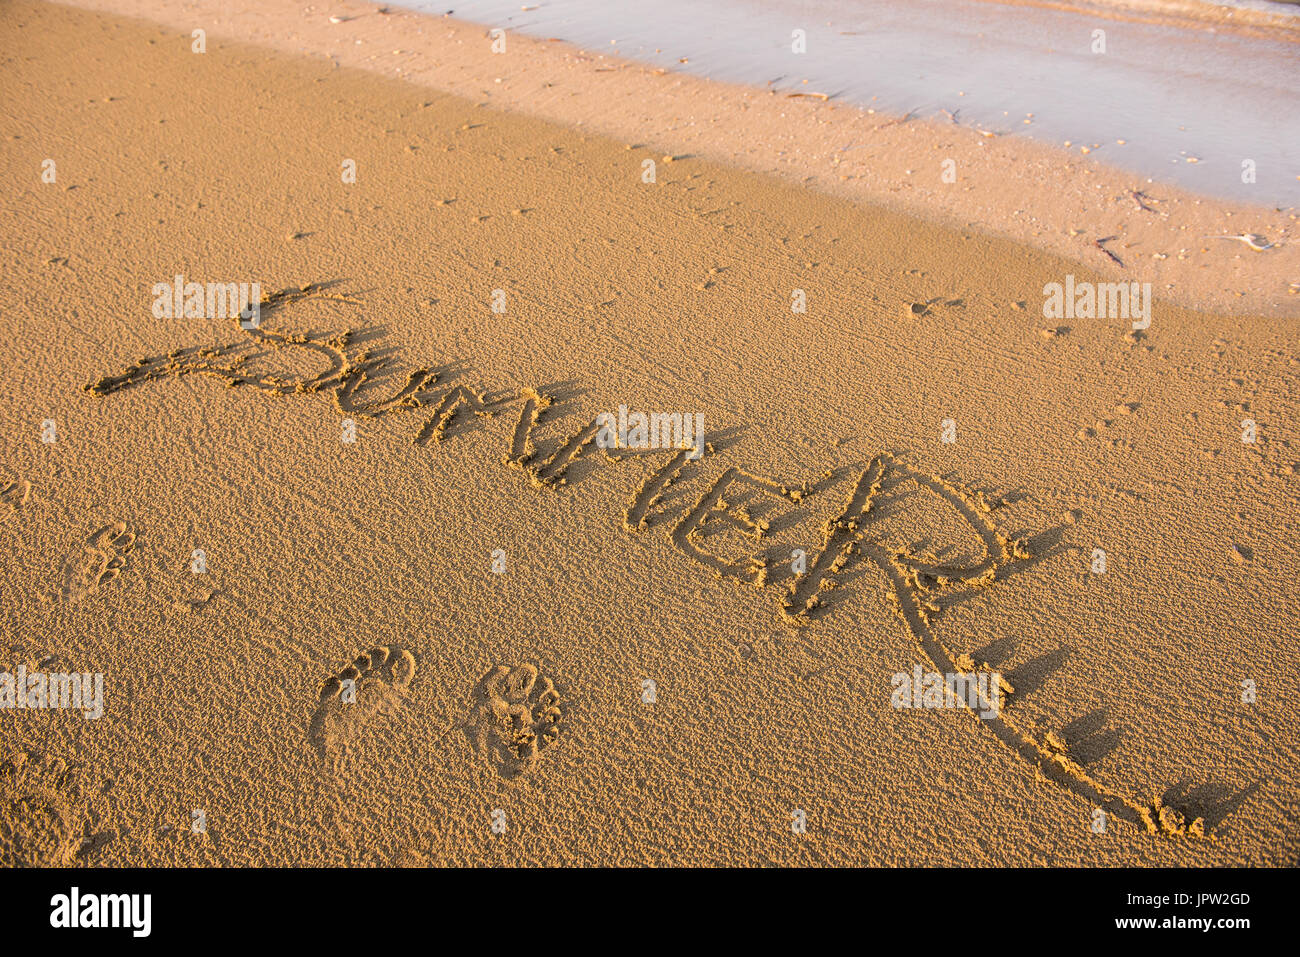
(102, 561)
(916, 310)
(13, 497)
(202, 600)
(516, 715)
(375, 683)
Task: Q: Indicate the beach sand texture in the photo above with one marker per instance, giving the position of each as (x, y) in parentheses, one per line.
(564, 654)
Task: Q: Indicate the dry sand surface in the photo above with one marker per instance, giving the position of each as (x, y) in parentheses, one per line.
(607, 652)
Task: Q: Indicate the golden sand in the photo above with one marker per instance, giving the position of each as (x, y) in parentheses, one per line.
(554, 652)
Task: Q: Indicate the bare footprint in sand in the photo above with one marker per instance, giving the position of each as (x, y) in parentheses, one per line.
(13, 497)
(516, 715)
(375, 683)
(102, 561)
(42, 823)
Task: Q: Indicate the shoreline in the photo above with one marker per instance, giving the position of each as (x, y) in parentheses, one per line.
(1244, 21)
(1056, 201)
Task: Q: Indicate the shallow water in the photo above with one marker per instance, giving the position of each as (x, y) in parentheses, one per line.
(1191, 105)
